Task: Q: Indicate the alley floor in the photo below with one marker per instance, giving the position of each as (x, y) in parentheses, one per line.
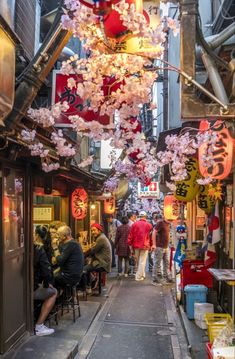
(130, 320)
(137, 321)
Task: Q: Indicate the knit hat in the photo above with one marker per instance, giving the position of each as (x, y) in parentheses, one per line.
(98, 226)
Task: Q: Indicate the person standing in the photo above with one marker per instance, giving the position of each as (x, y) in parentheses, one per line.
(139, 242)
(113, 224)
(69, 257)
(160, 240)
(121, 246)
(132, 218)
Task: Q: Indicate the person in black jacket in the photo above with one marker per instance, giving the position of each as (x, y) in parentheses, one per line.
(69, 257)
(43, 286)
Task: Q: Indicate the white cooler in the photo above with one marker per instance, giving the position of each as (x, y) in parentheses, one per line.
(200, 309)
(225, 353)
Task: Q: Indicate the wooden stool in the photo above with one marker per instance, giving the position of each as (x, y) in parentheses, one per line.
(101, 278)
(70, 299)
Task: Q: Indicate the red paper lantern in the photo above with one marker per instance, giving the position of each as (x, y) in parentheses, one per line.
(79, 203)
(113, 25)
(223, 152)
(171, 208)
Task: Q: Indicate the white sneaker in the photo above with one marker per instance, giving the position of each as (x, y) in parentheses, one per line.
(125, 275)
(139, 279)
(41, 330)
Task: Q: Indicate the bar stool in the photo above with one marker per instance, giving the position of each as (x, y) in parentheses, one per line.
(70, 300)
(100, 272)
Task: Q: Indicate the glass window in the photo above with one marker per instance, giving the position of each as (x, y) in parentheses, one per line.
(13, 209)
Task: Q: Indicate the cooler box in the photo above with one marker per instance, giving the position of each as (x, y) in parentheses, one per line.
(194, 272)
(195, 293)
(200, 309)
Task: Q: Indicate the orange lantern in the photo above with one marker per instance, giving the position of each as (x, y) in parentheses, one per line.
(109, 205)
(171, 207)
(79, 203)
(223, 152)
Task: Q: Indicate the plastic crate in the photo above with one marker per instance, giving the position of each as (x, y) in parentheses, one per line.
(215, 323)
(194, 272)
(209, 351)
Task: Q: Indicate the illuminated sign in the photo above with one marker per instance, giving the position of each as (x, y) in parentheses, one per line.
(151, 191)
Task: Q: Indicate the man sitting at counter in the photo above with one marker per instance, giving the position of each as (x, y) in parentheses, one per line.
(69, 257)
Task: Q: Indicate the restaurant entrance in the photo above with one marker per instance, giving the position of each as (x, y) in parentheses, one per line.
(13, 263)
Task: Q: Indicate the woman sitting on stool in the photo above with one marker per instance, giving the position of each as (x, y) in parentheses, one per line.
(43, 282)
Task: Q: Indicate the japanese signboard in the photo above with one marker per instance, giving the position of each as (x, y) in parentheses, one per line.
(79, 203)
(151, 191)
(187, 189)
(222, 153)
(77, 106)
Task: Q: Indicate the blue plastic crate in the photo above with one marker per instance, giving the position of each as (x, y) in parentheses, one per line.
(195, 293)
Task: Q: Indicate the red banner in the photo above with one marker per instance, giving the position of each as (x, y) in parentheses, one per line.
(77, 106)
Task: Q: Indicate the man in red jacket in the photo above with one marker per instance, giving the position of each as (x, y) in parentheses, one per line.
(139, 242)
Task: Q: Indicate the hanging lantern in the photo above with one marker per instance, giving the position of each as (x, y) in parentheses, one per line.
(109, 205)
(79, 203)
(171, 208)
(187, 189)
(113, 25)
(222, 153)
(204, 200)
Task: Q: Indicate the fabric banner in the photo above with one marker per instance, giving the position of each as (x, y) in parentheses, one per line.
(180, 252)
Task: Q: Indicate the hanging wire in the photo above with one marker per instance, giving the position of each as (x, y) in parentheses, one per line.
(224, 11)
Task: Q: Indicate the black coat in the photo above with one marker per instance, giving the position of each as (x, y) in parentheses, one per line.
(42, 268)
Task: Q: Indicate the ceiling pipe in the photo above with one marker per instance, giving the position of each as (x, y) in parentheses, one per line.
(214, 77)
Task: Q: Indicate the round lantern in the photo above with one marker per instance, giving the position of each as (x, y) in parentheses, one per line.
(171, 208)
(222, 153)
(113, 25)
(204, 201)
(79, 203)
(187, 189)
(109, 205)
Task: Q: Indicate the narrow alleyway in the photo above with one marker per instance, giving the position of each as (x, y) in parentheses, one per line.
(138, 321)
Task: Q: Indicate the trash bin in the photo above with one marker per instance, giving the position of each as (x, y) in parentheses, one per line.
(195, 293)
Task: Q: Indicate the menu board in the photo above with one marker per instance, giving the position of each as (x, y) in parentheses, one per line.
(43, 213)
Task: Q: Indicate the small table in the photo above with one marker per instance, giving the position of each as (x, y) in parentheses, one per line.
(227, 275)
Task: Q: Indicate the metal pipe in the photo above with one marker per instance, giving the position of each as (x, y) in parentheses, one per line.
(214, 78)
(43, 54)
(220, 38)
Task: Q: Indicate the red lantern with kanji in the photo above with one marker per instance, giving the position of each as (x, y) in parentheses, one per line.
(222, 152)
(171, 208)
(109, 205)
(79, 203)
